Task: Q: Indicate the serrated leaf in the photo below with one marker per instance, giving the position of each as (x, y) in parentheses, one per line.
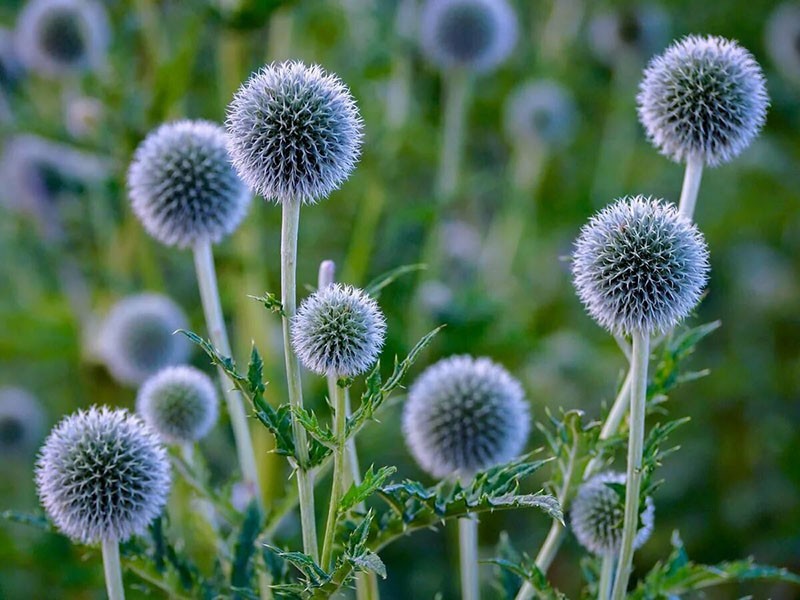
(271, 302)
(313, 574)
(369, 485)
(244, 550)
(37, 521)
(374, 287)
(369, 561)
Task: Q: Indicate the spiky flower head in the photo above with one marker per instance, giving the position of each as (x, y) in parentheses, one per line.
(294, 132)
(638, 265)
(59, 37)
(598, 513)
(705, 97)
(136, 339)
(178, 403)
(781, 39)
(621, 33)
(465, 414)
(183, 187)
(21, 421)
(540, 112)
(470, 34)
(102, 475)
(338, 330)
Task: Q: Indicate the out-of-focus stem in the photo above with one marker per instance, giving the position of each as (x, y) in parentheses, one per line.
(691, 186)
(454, 113)
(468, 558)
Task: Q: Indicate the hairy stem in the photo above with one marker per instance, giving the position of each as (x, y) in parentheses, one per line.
(112, 570)
(468, 557)
(640, 354)
(339, 468)
(215, 323)
(606, 576)
(456, 91)
(691, 186)
(305, 485)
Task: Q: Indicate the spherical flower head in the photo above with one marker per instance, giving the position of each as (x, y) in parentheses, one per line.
(540, 112)
(137, 338)
(178, 403)
(21, 421)
(638, 265)
(472, 34)
(781, 39)
(705, 97)
(102, 475)
(61, 37)
(598, 513)
(183, 187)
(465, 414)
(339, 330)
(294, 132)
(633, 31)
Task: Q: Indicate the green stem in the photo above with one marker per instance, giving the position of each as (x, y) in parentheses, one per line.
(112, 570)
(456, 91)
(606, 576)
(612, 422)
(691, 186)
(305, 485)
(640, 354)
(339, 468)
(215, 323)
(468, 558)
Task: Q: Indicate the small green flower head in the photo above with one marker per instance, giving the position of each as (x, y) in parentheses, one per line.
(540, 112)
(704, 97)
(598, 513)
(178, 403)
(61, 37)
(21, 422)
(294, 132)
(338, 330)
(472, 34)
(137, 338)
(102, 475)
(183, 187)
(465, 414)
(638, 265)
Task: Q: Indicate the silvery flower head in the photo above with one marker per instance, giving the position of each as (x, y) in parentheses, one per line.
(781, 35)
(10, 67)
(294, 132)
(137, 338)
(705, 97)
(465, 414)
(636, 31)
(638, 265)
(540, 112)
(60, 37)
(339, 330)
(102, 474)
(183, 187)
(471, 34)
(178, 403)
(21, 421)
(598, 512)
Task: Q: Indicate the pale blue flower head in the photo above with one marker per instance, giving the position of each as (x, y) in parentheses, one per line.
(183, 187)
(465, 414)
(102, 475)
(638, 265)
(471, 34)
(178, 403)
(540, 112)
(624, 32)
(294, 132)
(598, 513)
(705, 97)
(339, 330)
(21, 422)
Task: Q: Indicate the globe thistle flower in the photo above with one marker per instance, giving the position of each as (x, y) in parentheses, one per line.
(540, 112)
(631, 31)
(338, 330)
(136, 338)
(465, 414)
(182, 185)
(21, 421)
(59, 37)
(639, 266)
(705, 97)
(781, 35)
(178, 403)
(294, 132)
(102, 475)
(472, 34)
(597, 515)
(10, 66)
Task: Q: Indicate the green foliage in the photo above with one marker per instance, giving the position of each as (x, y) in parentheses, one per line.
(371, 483)
(514, 569)
(375, 287)
(271, 302)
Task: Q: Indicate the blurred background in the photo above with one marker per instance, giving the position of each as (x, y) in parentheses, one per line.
(70, 247)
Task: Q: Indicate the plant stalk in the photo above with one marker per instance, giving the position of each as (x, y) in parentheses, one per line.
(468, 558)
(456, 91)
(640, 354)
(290, 223)
(606, 576)
(339, 468)
(691, 186)
(215, 323)
(112, 570)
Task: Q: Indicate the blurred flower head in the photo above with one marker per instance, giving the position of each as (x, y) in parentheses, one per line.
(540, 112)
(781, 38)
(704, 97)
(11, 69)
(21, 422)
(294, 132)
(636, 31)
